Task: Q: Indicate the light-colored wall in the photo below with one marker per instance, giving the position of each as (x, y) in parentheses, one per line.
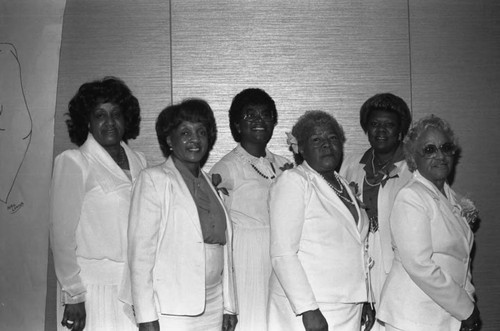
(441, 57)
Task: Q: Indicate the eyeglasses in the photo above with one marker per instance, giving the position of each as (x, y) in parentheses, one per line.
(255, 115)
(430, 151)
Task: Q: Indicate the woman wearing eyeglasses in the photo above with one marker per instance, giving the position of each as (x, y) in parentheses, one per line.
(377, 175)
(429, 286)
(245, 175)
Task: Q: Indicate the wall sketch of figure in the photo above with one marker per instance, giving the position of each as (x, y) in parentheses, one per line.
(15, 120)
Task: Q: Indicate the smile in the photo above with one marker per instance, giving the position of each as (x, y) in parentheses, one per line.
(110, 131)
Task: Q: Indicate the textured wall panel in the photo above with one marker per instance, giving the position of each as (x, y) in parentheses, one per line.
(455, 73)
(328, 55)
(128, 39)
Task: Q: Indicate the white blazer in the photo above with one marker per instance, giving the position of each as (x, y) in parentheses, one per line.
(353, 171)
(317, 249)
(429, 286)
(166, 251)
(89, 205)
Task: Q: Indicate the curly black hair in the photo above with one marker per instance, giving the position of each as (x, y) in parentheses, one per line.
(386, 102)
(90, 95)
(249, 96)
(191, 110)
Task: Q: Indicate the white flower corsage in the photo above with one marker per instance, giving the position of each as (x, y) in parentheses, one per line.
(292, 142)
(469, 211)
(216, 180)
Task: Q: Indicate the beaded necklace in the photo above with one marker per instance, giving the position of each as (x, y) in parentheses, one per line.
(260, 173)
(254, 167)
(340, 193)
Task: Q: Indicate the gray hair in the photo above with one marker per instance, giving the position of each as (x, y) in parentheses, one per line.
(410, 141)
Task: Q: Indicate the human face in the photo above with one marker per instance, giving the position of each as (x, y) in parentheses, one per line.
(383, 131)
(107, 124)
(256, 125)
(438, 168)
(322, 150)
(189, 143)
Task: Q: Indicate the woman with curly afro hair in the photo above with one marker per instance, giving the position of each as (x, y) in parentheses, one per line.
(90, 196)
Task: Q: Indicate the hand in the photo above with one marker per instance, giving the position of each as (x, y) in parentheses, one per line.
(473, 322)
(229, 322)
(149, 326)
(368, 316)
(314, 321)
(74, 316)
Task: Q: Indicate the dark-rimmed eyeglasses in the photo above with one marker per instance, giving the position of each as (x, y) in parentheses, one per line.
(430, 151)
(255, 115)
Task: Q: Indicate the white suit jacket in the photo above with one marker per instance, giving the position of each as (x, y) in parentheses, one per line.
(166, 250)
(429, 286)
(90, 200)
(353, 171)
(317, 249)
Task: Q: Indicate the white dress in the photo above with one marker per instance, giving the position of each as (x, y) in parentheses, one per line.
(90, 199)
(247, 180)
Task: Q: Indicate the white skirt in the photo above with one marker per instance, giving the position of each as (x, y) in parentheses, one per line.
(104, 311)
(252, 268)
(211, 318)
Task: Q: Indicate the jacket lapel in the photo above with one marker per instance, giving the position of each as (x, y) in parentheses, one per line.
(184, 198)
(333, 204)
(106, 172)
(450, 212)
(226, 214)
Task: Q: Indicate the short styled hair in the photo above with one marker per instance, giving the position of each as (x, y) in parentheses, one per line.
(386, 102)
(92, 94)
(250, 96)
(410, 142)
(304, 128)
(191, 110)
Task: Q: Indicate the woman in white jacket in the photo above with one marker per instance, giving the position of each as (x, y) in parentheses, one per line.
(180, 254)
(318, 237)
(90, 200)
(377, 175)
(429, 286)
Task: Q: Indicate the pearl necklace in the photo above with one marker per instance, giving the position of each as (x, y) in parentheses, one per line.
(340, 193)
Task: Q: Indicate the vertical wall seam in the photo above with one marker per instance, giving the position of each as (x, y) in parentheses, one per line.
(409, 58)
(171, 52)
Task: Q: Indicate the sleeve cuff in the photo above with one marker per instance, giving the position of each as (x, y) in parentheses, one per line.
(302, 309)
(68, 299)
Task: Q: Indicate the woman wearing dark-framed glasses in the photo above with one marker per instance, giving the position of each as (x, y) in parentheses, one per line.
(244, 175)
(429, 286)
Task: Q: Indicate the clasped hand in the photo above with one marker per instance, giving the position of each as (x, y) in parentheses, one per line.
(74, 316)
(473, 322)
